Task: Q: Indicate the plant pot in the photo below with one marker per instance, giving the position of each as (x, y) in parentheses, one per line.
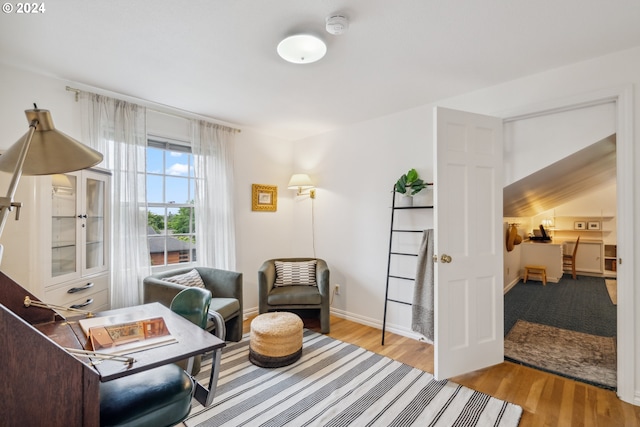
(423, 198)
(404, 201)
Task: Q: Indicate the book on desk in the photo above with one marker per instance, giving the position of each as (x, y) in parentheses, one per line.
(112, 335)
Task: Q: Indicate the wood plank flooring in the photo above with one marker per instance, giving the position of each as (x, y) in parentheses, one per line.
(546, 399)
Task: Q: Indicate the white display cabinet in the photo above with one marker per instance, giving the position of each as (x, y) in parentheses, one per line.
(62, 238)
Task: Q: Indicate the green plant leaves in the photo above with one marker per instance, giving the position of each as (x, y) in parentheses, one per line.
(410, 181)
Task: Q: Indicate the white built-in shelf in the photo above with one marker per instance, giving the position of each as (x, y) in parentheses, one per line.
(580, 230)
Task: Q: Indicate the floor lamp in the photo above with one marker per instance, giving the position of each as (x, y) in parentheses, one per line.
(43, 150)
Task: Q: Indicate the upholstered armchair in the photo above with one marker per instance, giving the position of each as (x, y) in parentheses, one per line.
(294, 293)
(225, 286)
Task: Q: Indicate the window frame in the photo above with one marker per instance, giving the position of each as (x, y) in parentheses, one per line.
(168, 145)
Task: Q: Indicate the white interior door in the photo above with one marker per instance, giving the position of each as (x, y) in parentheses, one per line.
(469, 324)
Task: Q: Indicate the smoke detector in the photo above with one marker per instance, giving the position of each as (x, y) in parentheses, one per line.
(337, 24)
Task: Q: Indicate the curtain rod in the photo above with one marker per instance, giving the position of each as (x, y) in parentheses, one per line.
(161, 107)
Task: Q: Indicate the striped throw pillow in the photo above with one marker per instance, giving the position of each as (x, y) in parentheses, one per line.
(290, 273)
(192, 278)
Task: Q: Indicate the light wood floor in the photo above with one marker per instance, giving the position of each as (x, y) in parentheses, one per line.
(546, 399)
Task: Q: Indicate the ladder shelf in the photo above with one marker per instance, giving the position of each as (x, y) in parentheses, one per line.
(392, 253)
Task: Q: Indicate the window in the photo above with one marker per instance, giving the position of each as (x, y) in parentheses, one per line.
(170, 198)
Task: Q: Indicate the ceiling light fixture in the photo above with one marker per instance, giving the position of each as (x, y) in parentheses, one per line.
(302, 49)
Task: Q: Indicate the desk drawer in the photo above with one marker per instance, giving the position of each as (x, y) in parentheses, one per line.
(79, 291)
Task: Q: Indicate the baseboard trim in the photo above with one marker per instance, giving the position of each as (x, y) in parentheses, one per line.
(367, 321)
(374, 323)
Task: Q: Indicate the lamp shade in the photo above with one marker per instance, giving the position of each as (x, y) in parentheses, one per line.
(300, 181)
(302, 49)
(50, 151)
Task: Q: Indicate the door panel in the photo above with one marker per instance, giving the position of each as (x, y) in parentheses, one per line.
(468, 226)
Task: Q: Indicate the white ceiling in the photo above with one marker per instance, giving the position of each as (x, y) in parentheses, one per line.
(218, 57)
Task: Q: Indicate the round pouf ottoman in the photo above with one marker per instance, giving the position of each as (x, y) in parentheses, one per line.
(275, 339)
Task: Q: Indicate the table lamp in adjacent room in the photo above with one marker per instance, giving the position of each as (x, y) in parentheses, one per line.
(43, 150)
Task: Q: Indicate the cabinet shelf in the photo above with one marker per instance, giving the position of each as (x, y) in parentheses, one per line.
(63, 245)
(411, 207)
(65, 249)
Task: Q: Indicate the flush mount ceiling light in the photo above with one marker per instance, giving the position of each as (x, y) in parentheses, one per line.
(302, 49)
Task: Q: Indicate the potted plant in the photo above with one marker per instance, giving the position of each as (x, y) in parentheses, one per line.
(409, 184)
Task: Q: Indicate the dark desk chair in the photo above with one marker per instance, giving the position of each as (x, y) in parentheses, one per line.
(161, 396)
(193, 304)
(569, 261)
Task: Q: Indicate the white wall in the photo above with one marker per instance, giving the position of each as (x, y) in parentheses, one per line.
(600, 204)
(356, 166)
(534, 142)
(355, 170)
(261, 235)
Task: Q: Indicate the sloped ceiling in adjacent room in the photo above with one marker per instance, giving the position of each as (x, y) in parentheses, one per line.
(572, 177)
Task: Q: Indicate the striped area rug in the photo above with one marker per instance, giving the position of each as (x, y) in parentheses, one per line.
(339, 384)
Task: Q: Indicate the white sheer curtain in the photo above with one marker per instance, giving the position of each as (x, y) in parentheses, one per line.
(118, 130)
(213, 148)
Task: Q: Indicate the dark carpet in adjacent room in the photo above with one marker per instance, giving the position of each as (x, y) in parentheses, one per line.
(570, 328)
(581, 305)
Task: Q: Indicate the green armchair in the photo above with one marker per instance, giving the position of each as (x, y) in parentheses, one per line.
(225, 286)
(296, 296)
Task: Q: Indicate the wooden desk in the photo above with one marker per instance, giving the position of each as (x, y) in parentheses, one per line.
(547, 254)
(191, 341)
(45, 385)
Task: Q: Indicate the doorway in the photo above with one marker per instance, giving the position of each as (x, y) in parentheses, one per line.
(621, 100)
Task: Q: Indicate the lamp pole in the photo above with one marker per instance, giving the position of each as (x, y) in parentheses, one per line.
(7, 203)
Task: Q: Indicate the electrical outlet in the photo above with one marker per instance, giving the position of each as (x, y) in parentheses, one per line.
(337, 288)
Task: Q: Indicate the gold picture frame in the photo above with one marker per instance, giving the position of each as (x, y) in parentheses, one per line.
(264, 198)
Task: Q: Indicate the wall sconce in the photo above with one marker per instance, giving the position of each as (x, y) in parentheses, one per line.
(547, 223)
(302, 182)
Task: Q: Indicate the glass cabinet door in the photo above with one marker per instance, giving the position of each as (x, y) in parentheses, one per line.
(64, 225)
(94, 251)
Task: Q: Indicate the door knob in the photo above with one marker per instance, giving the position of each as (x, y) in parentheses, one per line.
(445, 258)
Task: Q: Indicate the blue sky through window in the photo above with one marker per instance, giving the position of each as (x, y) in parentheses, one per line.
(178, 168)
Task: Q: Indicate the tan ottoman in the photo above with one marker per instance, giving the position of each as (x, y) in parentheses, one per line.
(275, 339)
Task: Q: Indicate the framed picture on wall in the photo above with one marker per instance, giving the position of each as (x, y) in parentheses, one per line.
(579, 225)
(593, 225)
(264, 198)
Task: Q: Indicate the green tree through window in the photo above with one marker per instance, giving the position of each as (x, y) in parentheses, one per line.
(170, 203)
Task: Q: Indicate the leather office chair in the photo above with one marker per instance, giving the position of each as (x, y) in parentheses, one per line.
(295, 297)
(161, 396)
(569, 261)
(192, 304)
